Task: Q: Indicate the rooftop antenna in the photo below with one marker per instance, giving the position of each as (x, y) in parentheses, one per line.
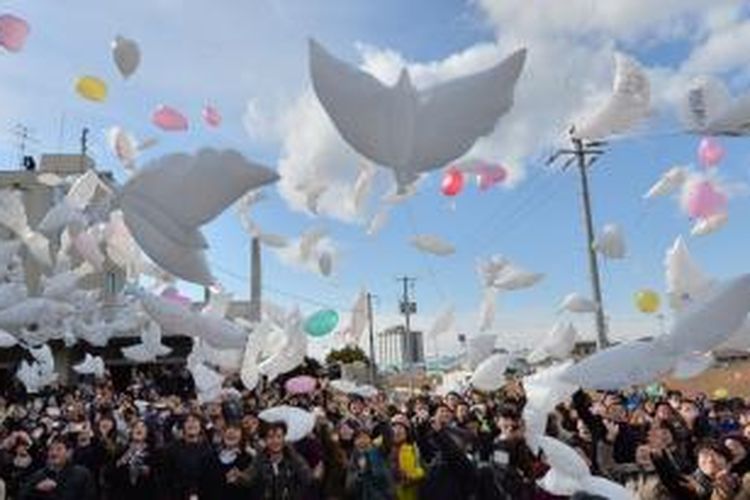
(24, 136)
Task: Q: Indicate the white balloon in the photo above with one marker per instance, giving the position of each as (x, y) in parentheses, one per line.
(249, 370)
(614, 368)
(61, 285)
(91, 365)
(487, 310)
(513, 277)
(709, 225)
(176, 319)
(377, 223)
(165, 226)
(34, 310)
(597, 485)
(706, 100)
(343, 385)
(558, 343)
(59, 216)
(479, 347)
(692, 365)
(358, 320)
(489, 270)
(83, 190)
(87, 247)
(544, 390)
(120, 246)
(577, 303)
(490, 374)
(611, 242)
(299, 423)
(669, 183)
(273, 240)
(686, 282)
(13, 217)
(292, 352)
(362, 186)
(406, 129)
(629, 103)
(208, 382)
(308, 241)
(123, 145)
(8, 250)
(443, 323)
(12, 293)
(563, 459)
(431, 244)
(557, 483)
(711, 321)
(7, 340)
(127, 55)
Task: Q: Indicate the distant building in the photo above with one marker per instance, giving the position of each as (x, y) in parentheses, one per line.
(398, 350)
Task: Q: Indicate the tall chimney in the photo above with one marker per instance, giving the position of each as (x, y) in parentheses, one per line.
(255, 280)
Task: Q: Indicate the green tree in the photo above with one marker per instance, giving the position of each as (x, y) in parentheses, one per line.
(346, 355)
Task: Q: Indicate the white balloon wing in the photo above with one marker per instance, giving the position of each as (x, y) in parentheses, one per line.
(432, 244)
(165, 226)
(670, 182)
(614, 369)
(628, 104)
(490, 374)
(712, 321)
(686, 282)
(706, 100)
(408, 130)
(299, 422)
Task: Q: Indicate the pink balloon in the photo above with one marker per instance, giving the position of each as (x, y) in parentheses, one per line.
(488, 175)
(169, 119)
(303, 384)
(211, 116)
(710, 152)
(453, 182)
(13, 32)
(171, 294)
(704, 200)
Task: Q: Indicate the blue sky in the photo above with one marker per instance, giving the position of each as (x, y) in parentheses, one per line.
(232, 52)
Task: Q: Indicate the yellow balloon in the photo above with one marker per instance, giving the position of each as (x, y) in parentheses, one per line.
(91, 88)
(721, 393)
(647, 301)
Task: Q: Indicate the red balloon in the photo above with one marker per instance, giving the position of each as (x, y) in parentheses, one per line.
(453, 182)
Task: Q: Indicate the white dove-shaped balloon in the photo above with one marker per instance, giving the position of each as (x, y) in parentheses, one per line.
(411, 130)
(165, 220)
(709, 109)
(611, 242)
(577, 303)
(669, 183)
(432, 244)
(627, 105)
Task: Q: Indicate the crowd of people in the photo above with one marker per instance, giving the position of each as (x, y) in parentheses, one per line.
(152, 440)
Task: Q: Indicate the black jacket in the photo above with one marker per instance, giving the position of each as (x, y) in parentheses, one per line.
(73, 483)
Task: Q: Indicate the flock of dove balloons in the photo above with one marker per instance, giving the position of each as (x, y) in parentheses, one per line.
(148, 230)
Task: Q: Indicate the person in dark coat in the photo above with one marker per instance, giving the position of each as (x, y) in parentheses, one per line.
(223, 472)
(134, 475)
(278, 473)
(19, 463)
(451, 474)
(185, 461)
(60, 479)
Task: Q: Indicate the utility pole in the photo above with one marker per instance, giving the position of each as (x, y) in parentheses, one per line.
(370, 321)
(584, 154)
(255, 280)
(84, 146)
(407, 308)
